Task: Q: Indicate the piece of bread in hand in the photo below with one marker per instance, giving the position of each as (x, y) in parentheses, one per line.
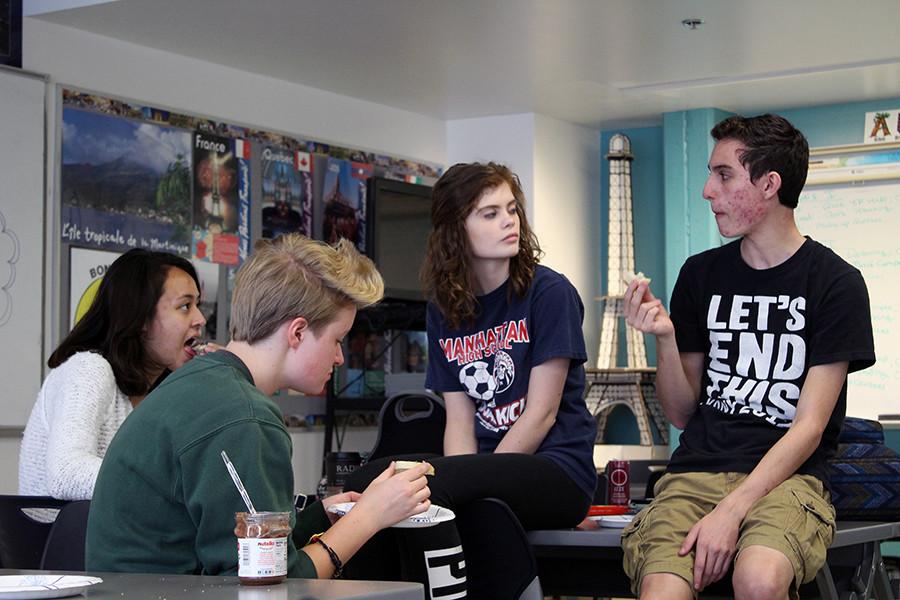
(629, 277)
(403, 465)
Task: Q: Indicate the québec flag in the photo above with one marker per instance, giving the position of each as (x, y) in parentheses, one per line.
(242, 149)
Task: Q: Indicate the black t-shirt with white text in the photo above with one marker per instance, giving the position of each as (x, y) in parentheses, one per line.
(760, 332)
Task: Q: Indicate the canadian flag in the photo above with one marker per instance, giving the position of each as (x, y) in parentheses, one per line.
(302, 161)
(242, 149)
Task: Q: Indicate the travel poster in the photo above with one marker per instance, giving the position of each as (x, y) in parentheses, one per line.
(344, 196)
(287, 192)
(124, 183)
(409, 352)
(208, 274)
(220, 198)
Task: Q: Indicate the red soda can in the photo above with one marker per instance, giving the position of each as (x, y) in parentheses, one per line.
(618, 491)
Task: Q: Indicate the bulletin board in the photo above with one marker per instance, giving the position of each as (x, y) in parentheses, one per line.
(852, 204)
(22, 118)
(133, 175)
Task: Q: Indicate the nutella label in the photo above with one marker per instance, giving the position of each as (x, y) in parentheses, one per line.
(262, 557)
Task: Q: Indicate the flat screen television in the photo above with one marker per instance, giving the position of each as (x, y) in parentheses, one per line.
(398, 222)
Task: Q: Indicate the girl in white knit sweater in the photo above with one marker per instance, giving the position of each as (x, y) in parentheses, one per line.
(142, 324)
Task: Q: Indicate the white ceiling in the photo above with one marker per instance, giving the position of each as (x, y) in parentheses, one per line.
(601, 63)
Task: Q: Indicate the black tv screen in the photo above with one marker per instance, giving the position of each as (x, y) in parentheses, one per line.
(399, 220)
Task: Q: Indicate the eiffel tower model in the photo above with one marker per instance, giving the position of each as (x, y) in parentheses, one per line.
(634, 385)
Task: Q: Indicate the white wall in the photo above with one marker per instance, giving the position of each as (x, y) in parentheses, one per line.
(507, 139)
(559, 166)
(567, 211)
(9, 461)
(165, 79)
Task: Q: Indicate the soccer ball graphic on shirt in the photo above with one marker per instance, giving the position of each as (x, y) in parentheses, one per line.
(477, 380)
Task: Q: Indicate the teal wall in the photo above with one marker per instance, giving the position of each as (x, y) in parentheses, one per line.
(647, 209)
(671, 219)
(835, 124)
(690, 226)
(649, 241)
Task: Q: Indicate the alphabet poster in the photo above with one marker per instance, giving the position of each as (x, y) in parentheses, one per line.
(882, 126)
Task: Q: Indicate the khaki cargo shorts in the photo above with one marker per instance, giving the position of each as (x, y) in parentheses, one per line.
(796, 519)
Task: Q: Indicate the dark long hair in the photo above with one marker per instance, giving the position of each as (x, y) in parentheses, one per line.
(446, 273)
(114, 324)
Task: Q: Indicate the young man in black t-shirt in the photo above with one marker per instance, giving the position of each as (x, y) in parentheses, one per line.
(752, 364)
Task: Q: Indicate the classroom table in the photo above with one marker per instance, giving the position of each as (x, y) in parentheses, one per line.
(136, 586)
(579, 562)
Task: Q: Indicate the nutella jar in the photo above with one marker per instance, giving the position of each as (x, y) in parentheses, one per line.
(262, 546)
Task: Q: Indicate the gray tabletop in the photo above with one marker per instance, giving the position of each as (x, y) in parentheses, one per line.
(178, 587)
(599, 537)
(848, 534)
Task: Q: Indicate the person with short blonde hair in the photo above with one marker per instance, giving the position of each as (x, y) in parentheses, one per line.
(294, 301)
(294, 275)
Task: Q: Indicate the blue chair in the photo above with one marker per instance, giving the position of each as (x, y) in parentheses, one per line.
(499, 560)
(25, 523)
(410, 423)
(64, 550)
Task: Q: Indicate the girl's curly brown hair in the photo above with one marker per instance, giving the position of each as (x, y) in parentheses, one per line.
(446, 273)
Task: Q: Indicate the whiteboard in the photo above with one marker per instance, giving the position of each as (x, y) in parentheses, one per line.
(21, 242)
(862, 224)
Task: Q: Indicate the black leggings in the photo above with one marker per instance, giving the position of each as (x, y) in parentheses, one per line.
(538, 491)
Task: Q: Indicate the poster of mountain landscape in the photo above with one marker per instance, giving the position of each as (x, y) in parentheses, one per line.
(125, 183)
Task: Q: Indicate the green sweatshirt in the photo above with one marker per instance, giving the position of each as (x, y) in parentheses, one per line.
(164, 502)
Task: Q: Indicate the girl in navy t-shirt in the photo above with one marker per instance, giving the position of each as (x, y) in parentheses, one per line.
(506, 350)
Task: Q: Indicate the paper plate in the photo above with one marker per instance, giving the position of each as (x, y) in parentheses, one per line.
(434, 515)
(22, 587)
(616, 521)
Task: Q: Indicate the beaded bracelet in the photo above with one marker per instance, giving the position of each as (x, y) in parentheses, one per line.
(335, 560)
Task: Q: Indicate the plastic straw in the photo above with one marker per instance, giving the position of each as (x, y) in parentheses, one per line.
(238, 483)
